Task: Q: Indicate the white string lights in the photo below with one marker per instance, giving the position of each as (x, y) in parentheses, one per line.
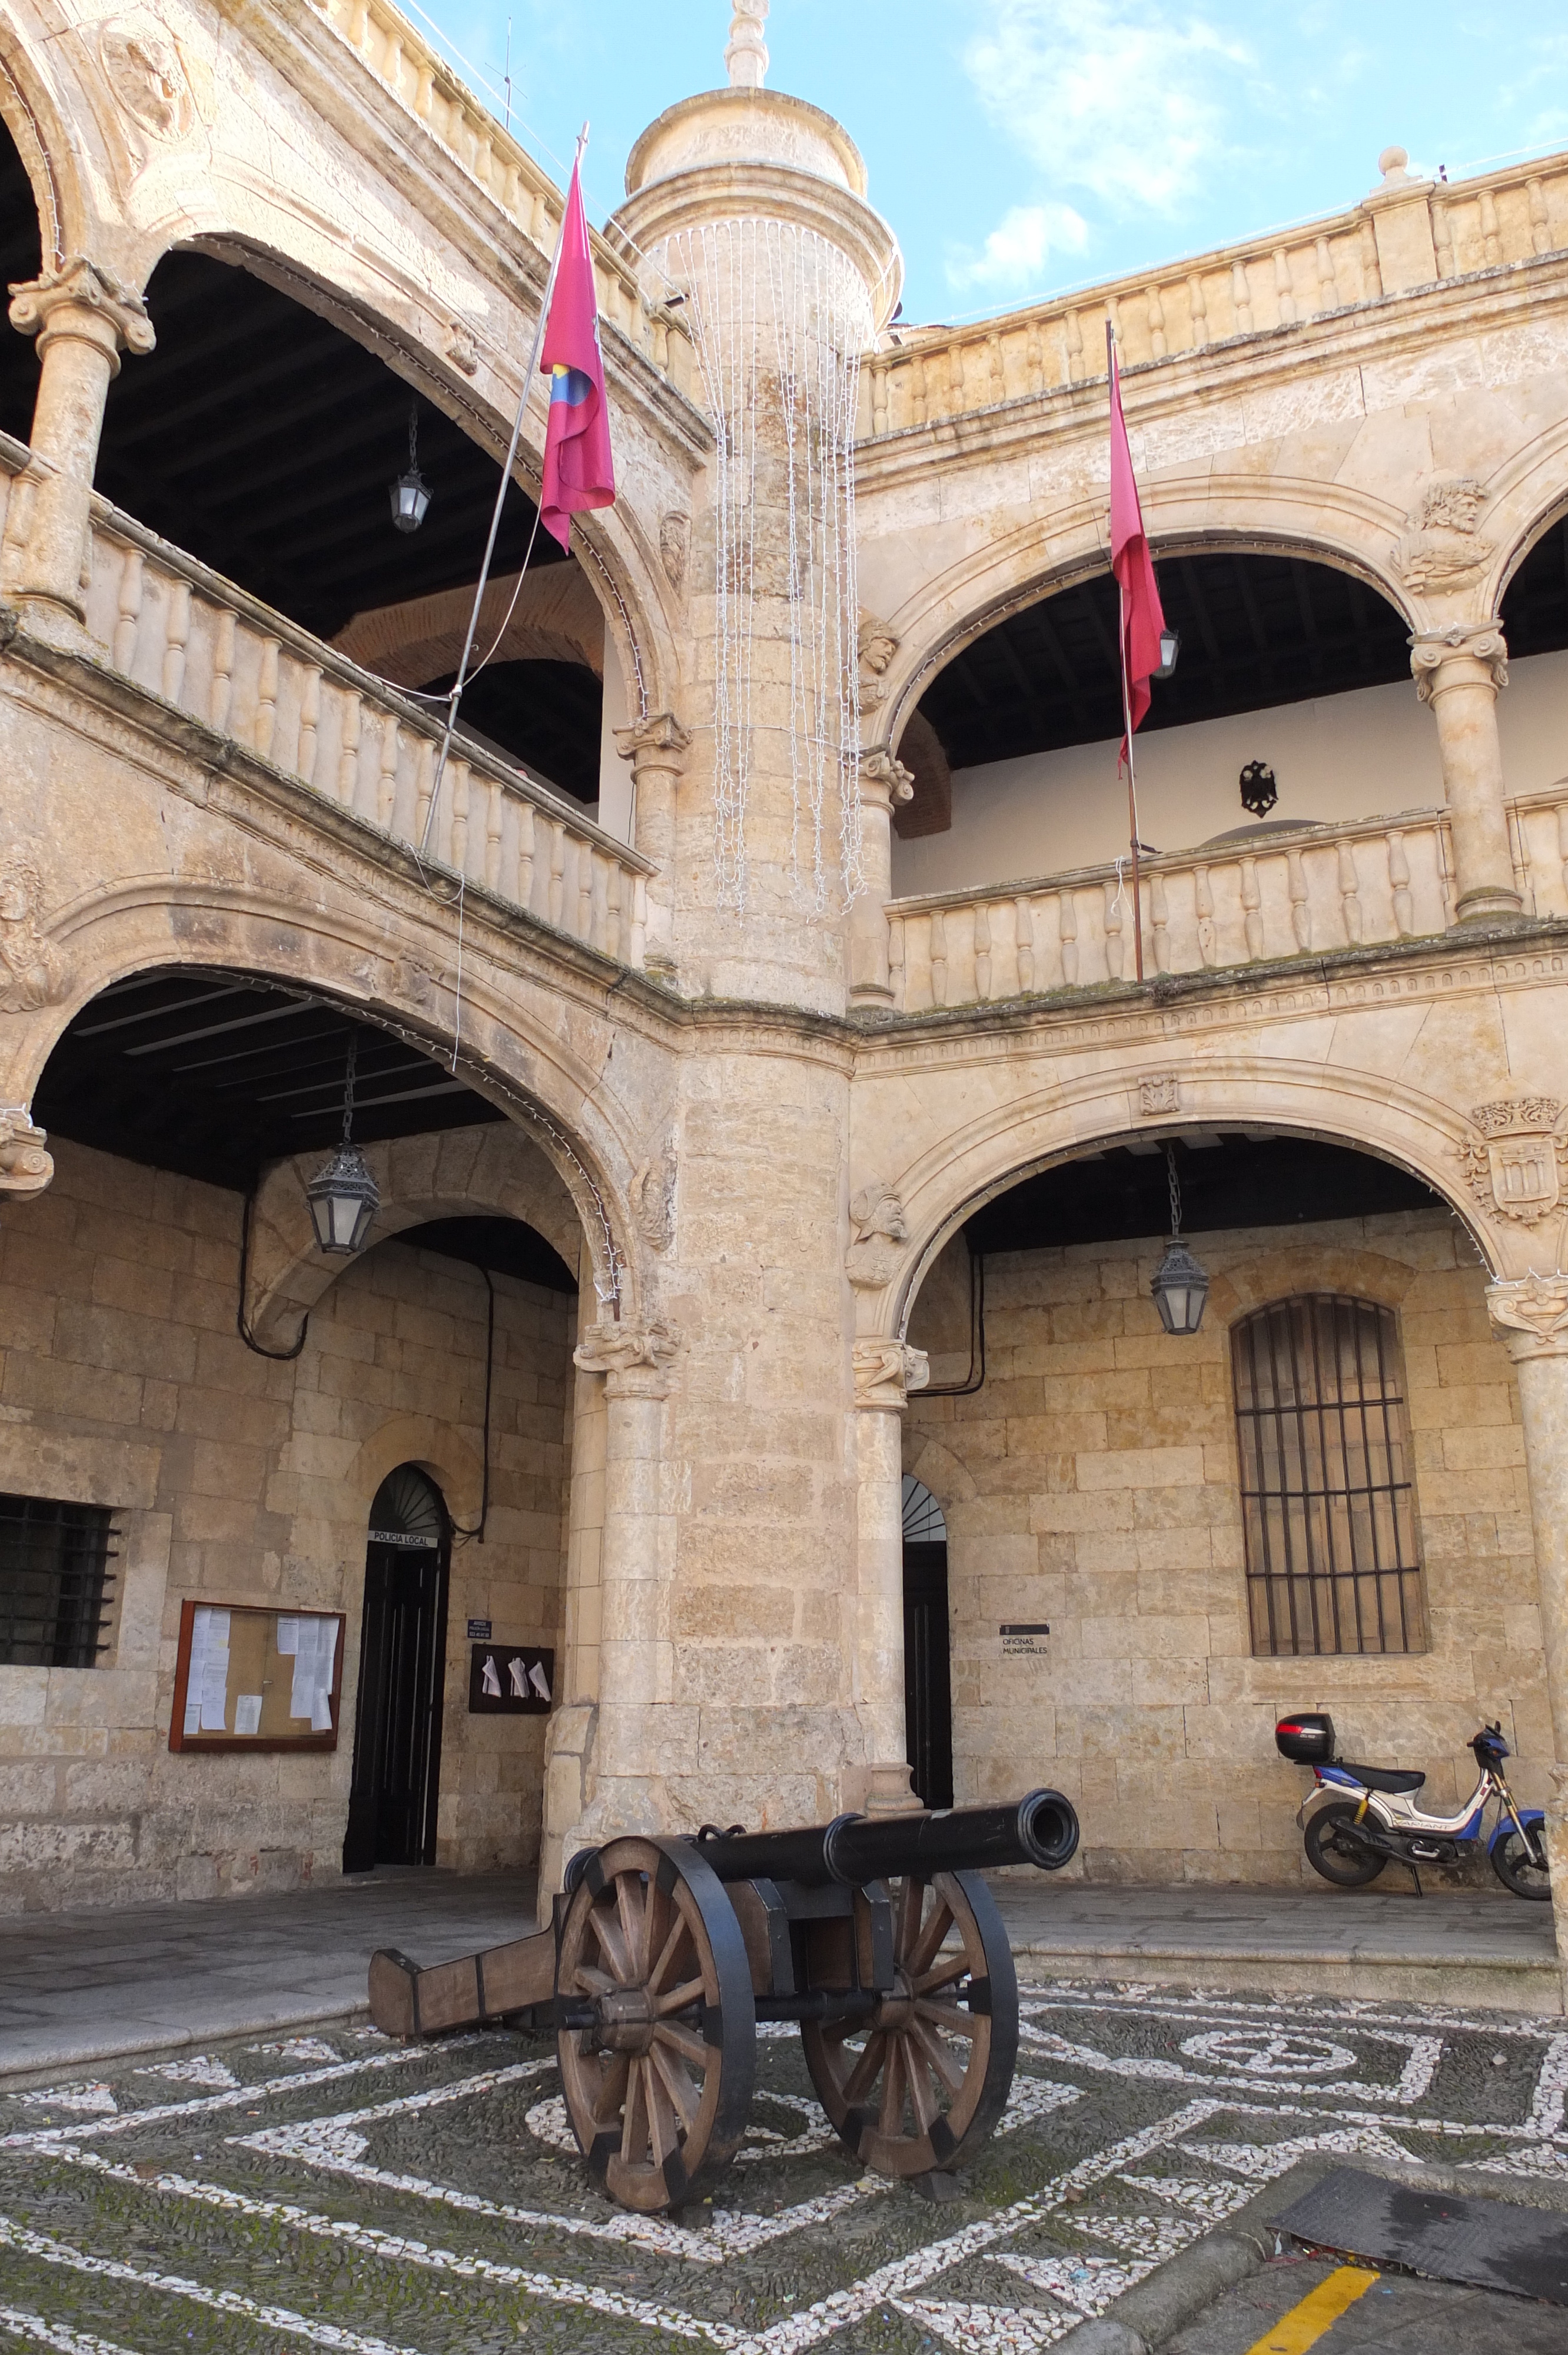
(780, 319)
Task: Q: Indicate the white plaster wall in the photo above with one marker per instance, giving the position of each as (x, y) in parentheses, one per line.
(1368, 753)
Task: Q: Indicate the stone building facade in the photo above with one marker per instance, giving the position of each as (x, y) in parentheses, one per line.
(754, 1114)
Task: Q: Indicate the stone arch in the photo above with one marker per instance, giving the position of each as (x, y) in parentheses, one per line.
(959, 1173)
(432, 1448)
(1351, 531)
(373, 304)
(1272, 1275)
(345, 953)
(493, 1170)
(1526, 498)
(937, 1469)
(40, 126)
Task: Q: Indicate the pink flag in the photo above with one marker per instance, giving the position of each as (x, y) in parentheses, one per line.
(578, 471)
(1142, 616)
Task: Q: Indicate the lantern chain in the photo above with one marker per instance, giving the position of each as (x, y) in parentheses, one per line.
(1175, 1191)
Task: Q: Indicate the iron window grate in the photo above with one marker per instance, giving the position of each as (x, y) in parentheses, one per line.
(1328, 1507)
(55, 1581)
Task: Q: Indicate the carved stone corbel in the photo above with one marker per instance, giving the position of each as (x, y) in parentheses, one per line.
(873, 1257)
(1532, 1315)
(657, 742)
(635, 1358)
(25, 1166)
(1480, 641)
(885, 1371)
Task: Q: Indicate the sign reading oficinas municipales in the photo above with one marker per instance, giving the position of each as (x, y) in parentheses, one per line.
(1025, 1639)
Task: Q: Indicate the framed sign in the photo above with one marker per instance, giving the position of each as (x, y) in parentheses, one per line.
(249, 1677)
(509, 1680)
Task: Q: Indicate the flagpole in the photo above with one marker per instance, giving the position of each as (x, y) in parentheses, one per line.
(456, 696)
(1126, 715)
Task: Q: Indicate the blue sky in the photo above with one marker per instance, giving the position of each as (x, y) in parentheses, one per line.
(1023, 146)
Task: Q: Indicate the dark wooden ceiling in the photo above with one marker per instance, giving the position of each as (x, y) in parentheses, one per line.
(263, 439)
(1237, 1181)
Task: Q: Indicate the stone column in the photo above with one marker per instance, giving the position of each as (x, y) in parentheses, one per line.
(629, 1749)
(885, 783)
(83, 318)
(885, 1371)
(657, 747)
(1533, 1319)
(1459, 671)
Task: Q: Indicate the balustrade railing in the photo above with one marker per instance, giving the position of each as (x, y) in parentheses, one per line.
(1306, 893)
(1268, 282)
(421, 81)
(197, 643)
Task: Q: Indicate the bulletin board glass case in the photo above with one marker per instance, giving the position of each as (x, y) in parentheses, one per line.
(250, 1677)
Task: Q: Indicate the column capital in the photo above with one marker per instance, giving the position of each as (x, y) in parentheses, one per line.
(1531, 1315)
(25, 1166)
(81, 299)
(884, 782)
(657, 741)
(1480, 643)
(635, 1358)
(885, 1371)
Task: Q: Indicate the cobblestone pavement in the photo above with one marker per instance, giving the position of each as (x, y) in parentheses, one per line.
(334, 2189)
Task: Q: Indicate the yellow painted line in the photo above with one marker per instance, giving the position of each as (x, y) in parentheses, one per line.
(1321, 2307)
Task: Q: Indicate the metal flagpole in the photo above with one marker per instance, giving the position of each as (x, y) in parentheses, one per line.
(1127, 716)
(456, 696)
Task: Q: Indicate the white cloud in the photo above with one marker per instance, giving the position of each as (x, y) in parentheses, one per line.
(1120, 97)
(1015, 253)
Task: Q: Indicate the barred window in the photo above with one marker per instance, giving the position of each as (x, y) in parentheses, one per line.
(1326, 1501)
(55, 1581)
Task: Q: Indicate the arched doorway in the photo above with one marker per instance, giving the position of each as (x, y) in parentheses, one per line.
(402, 1660)
(927, 1691)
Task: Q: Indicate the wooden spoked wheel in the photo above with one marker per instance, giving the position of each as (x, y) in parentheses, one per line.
(915, 2088)
(658, 2086)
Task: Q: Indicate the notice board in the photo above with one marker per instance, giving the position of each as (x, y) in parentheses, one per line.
(255, 1677)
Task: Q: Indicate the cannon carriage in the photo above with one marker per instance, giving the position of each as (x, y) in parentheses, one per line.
(879, 1936)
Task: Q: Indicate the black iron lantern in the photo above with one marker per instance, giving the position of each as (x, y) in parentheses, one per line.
(409, 494)
(1169, 647)
(1259, 791)
(1180, 1284)
(343, 1197)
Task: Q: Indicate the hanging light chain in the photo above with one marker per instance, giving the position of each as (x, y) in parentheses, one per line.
(348, 1088)
(413, 437)
(1175, 1191)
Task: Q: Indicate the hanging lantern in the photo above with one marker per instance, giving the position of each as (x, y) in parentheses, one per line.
(343, 1197)
(1180, 1285)
(1169, 647)
(408, 495)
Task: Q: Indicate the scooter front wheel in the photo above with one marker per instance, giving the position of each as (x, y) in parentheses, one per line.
(1335, 1849)
(1518, 1860)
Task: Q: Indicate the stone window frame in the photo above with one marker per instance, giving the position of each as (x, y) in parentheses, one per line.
(1323, 1599)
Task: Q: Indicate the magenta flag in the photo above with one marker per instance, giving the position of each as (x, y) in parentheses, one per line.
(578, 470)
(1142, 616)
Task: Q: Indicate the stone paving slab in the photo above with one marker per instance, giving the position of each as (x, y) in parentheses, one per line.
(1458, 1947)
(78, 1988)
(337, 2190)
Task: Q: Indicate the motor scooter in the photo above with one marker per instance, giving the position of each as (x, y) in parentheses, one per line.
(1356, 1820)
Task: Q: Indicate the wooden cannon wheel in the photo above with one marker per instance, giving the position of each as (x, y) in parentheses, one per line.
(928, 2076)
(658, 2086)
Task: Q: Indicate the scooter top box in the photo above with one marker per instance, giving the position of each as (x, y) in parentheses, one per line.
(1305, 1737)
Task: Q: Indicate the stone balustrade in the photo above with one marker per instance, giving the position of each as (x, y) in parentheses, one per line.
(1324, 266)
(420, 79)
(1307, 893)
(192, 639)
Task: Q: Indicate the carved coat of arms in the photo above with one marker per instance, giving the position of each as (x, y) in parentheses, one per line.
(1517, 1165)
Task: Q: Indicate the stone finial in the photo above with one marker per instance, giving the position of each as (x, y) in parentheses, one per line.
(745, 52)
(1392, 164)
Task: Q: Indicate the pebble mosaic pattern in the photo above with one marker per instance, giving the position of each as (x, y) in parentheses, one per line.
(336, 2190)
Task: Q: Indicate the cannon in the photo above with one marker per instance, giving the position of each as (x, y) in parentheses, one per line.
(876, 1936)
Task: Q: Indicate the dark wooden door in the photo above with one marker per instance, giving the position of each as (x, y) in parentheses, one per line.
(397, 1734)
(928, 1689)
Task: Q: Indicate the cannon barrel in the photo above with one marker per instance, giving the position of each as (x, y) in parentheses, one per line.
(1042, 1829)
